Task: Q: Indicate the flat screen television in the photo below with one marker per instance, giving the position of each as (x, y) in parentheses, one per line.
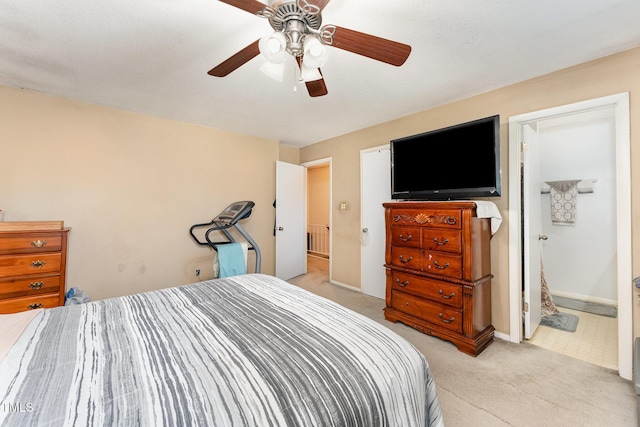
(456, 162)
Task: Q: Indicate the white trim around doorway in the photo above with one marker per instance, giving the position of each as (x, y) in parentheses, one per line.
(620, 103)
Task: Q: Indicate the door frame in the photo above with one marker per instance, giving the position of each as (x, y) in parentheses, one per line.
(620, 104)
(307, 165)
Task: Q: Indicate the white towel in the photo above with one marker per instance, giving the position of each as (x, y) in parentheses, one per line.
(584, 186)
(488, 209)
(216, 264)
(564, 195)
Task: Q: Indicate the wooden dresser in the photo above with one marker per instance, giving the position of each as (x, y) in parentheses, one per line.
(33, 259)
(438, 266)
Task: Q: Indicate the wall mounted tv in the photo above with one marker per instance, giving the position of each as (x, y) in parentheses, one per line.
(456, 162)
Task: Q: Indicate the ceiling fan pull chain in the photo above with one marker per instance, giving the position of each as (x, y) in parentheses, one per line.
(296, 78)
(326, 34)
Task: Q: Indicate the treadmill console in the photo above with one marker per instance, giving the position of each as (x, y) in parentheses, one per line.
(234, 213)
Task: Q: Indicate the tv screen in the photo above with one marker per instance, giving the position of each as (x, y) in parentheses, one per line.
(457, 162)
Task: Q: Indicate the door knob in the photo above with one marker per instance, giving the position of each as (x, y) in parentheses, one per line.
(542, 237)
(365, 230)
(280, 228)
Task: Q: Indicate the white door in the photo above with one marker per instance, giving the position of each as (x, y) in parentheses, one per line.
(290, 220)
(532, 223)
(375, 183)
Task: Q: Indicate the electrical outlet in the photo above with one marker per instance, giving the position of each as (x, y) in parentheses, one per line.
(197, 272)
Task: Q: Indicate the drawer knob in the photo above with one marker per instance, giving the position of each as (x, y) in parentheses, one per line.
(451, 319)
(444, 242)
(38, 264)
(38, 243)
(34, 306)
(36, 285)
(403, 284)
(441, 267)
(403, 259)
(405, 239)
(451, 295)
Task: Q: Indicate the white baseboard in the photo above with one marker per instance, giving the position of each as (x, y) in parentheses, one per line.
(502, 336)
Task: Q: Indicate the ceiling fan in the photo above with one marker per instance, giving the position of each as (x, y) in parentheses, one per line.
(298, 32)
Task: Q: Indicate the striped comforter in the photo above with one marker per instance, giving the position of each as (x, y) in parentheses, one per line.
(247, 350)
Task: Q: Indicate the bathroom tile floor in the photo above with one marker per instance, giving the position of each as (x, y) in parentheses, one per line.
(595, 339)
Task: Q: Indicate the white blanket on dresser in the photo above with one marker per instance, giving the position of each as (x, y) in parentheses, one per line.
(488, 209)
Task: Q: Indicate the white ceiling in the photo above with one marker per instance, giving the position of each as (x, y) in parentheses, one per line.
(152, 57)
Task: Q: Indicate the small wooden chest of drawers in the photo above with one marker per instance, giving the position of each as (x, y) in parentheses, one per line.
(438, 266)
(32, 266)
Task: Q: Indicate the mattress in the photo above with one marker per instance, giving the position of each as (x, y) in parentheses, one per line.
(248, 350)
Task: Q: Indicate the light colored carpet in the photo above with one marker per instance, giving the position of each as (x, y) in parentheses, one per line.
(508, 384)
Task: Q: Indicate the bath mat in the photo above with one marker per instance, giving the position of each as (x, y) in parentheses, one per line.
(563, 321)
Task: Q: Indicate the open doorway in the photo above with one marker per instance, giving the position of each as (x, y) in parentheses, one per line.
(319, 217)
(603, 165)
(576, 193)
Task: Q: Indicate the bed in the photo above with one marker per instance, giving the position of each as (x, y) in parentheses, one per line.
(248, 350)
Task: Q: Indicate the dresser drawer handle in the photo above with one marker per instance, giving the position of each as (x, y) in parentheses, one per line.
(36, 285)
(38, 243)
(444, 242)
(402, 259)
(34, 306)
(38, 264)
(451, 319)
(451, 295)
(441, 267)
(403, 284)
(405, 239)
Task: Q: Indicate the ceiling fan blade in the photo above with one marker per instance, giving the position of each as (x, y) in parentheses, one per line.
(317, 88)
(236, 61)
(251, 6)
(314, 87)
(373, 47)
(320, 3)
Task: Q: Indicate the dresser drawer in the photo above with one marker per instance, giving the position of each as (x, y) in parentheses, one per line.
(406, 257)
(15, 305)
(445, 218)
(437, 314)
(435, 290)
(405, 236)
(33, 243)
(28, 286)
(18, 265)
(442, 263)
(440, 239)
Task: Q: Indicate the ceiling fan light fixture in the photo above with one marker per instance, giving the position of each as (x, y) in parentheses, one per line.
(273, 47)
(315, 53)
(309, 74)
(273, 70)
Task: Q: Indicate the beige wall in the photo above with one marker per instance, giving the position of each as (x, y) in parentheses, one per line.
(129, 186)
(607, 76)
(318, 190)
(289, 154)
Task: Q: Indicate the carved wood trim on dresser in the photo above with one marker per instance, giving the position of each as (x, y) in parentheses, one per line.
(33, 260)
(438, 267)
